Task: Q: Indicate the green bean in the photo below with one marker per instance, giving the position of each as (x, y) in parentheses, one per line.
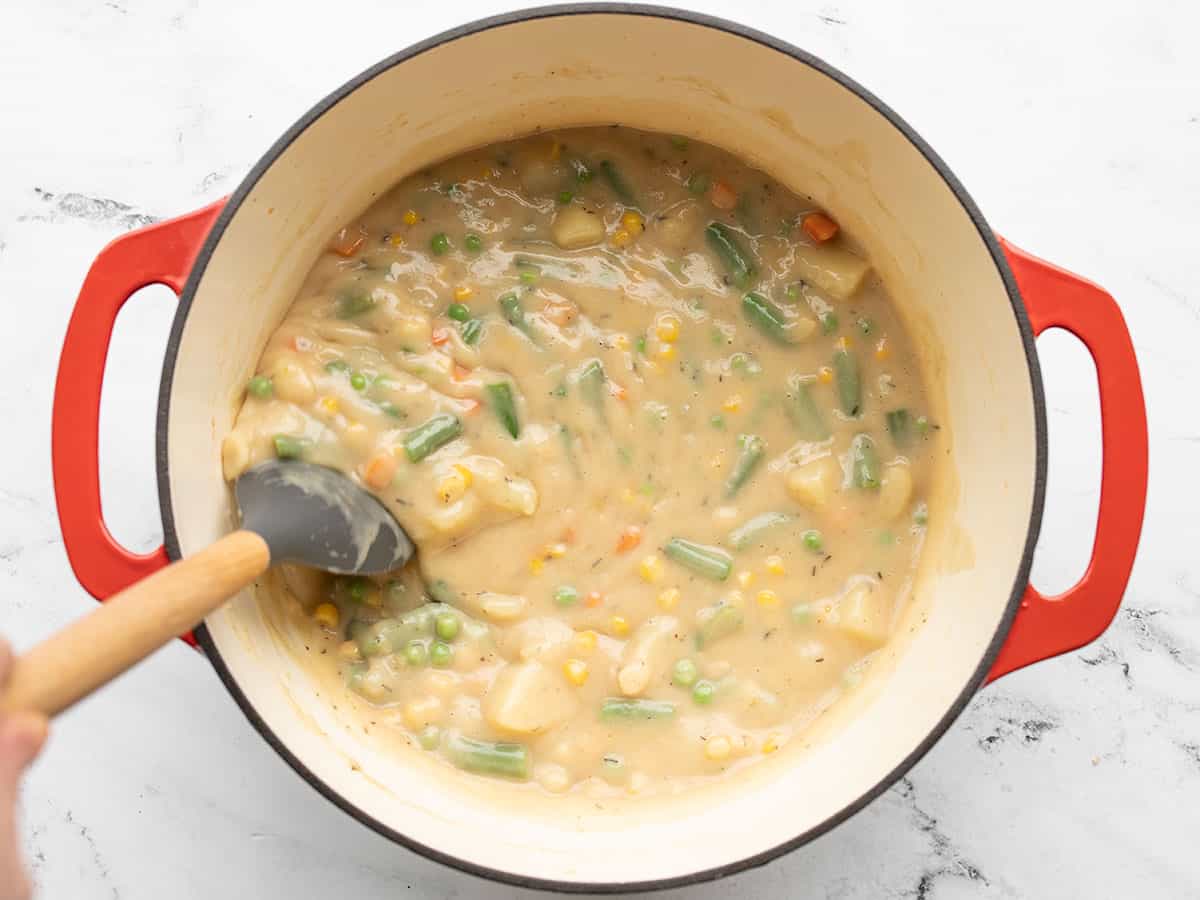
(502, 758)
(864, 462)
(569, 449)
(260, 386)
(849, 385)
(500, 398)
(710, 562)
(752, 450)
(617, 182)
(424, 439)
(566, 595)
(351, 303)
(429, 737)
(805, 415)
(749, 532)
(388, 408)
(471, 330)
(618, 708)
(899, 426)
(458, 312)
(591, 380)
(724, 621)
(337, 365)
(698, 183)
(510, 305)
(724, 242)
(290, 447)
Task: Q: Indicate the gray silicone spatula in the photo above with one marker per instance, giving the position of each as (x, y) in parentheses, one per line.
(291, 512)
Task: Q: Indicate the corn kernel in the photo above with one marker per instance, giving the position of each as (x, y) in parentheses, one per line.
(717, 460)
(585, 641)
(825, 375)
(396, 240)
(454, 484)
(745, 579)
(767, 598)
(771, 744)
(465, 473)
(373, 596)
(463, 292)
(717, 747)
(882, 350)
(618, 625)
(411, 217)
(669, 599)
(622, 238)
(650, 568)
(576, 671)
(536, 564)
(775, 565)
(556, 551)
(620, 341)
(732, 403)
(667, 329)
(326, 615)
(633, 222)
(330, 405)
(844, 342)
(666, 352)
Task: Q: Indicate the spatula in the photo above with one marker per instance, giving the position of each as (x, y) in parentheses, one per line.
(291, 512)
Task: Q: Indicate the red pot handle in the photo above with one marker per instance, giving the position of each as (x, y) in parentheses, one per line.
(159, 254)
(1047, 626)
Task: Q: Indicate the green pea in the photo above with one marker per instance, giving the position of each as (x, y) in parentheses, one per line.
(566, 595)
(446, 626)
(703, 692)
(717, 422)
(260, 386)
(439, 243)
(337, 365)
(458, 312)
(640, 345)
(565, 197)
(415, 653)
(358, 381)
(528, 276)
(813, 540)
(684, 673)
(802, 613)
(429, 737)
(473, 242)
(865, 325)
(441, 654)
(829, 322)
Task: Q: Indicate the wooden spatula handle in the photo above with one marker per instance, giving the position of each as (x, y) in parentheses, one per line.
(130, 626)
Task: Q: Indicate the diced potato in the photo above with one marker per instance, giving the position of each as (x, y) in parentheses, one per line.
(528, 698)
(678, 224)
(813, 483)
(756, 707)
(503, 607)
(541, 176)
(305, 584)
(576, 227)
(646, 654)
(836, 271)
(536, 638)
(293, 384)
(896, 490)
(422, 712)
(414, 329)
(865, 612)
(235, 455)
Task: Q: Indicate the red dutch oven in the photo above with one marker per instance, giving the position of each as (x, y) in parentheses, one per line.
(972, 300)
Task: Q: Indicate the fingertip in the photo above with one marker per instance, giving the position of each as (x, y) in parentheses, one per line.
(23, 735)
(6, 658)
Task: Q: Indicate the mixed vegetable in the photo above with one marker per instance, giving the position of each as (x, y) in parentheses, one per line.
(657, 431)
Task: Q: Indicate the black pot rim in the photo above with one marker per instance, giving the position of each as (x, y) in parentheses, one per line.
(1020, 580)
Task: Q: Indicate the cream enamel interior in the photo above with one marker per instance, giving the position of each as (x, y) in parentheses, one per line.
(813, 135)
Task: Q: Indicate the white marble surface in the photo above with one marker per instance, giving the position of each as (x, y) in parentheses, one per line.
(1077, 131)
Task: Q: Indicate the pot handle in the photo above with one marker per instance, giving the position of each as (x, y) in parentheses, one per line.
(158, 254)
(1047, 626)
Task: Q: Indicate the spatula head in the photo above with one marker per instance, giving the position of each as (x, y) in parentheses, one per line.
(318, 517)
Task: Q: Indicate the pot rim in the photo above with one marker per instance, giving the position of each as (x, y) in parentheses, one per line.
(1021, 579)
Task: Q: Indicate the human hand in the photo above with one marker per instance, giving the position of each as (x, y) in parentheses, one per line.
(21, 737)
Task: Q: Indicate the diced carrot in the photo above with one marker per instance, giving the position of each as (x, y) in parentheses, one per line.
(568, 535)
(819, 227)
(593, 599)
(470, 406)
(380, 470)
(440, 336)
(722, 195)
(617, 390)
(559, 312)
(460, 373)
(348, 241)
(630, 537)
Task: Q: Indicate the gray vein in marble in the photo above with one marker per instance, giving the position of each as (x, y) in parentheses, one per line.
(71, 205)
(947, 860)
(1149, 634)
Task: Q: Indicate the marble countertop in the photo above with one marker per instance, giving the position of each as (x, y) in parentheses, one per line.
(1078, 133)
